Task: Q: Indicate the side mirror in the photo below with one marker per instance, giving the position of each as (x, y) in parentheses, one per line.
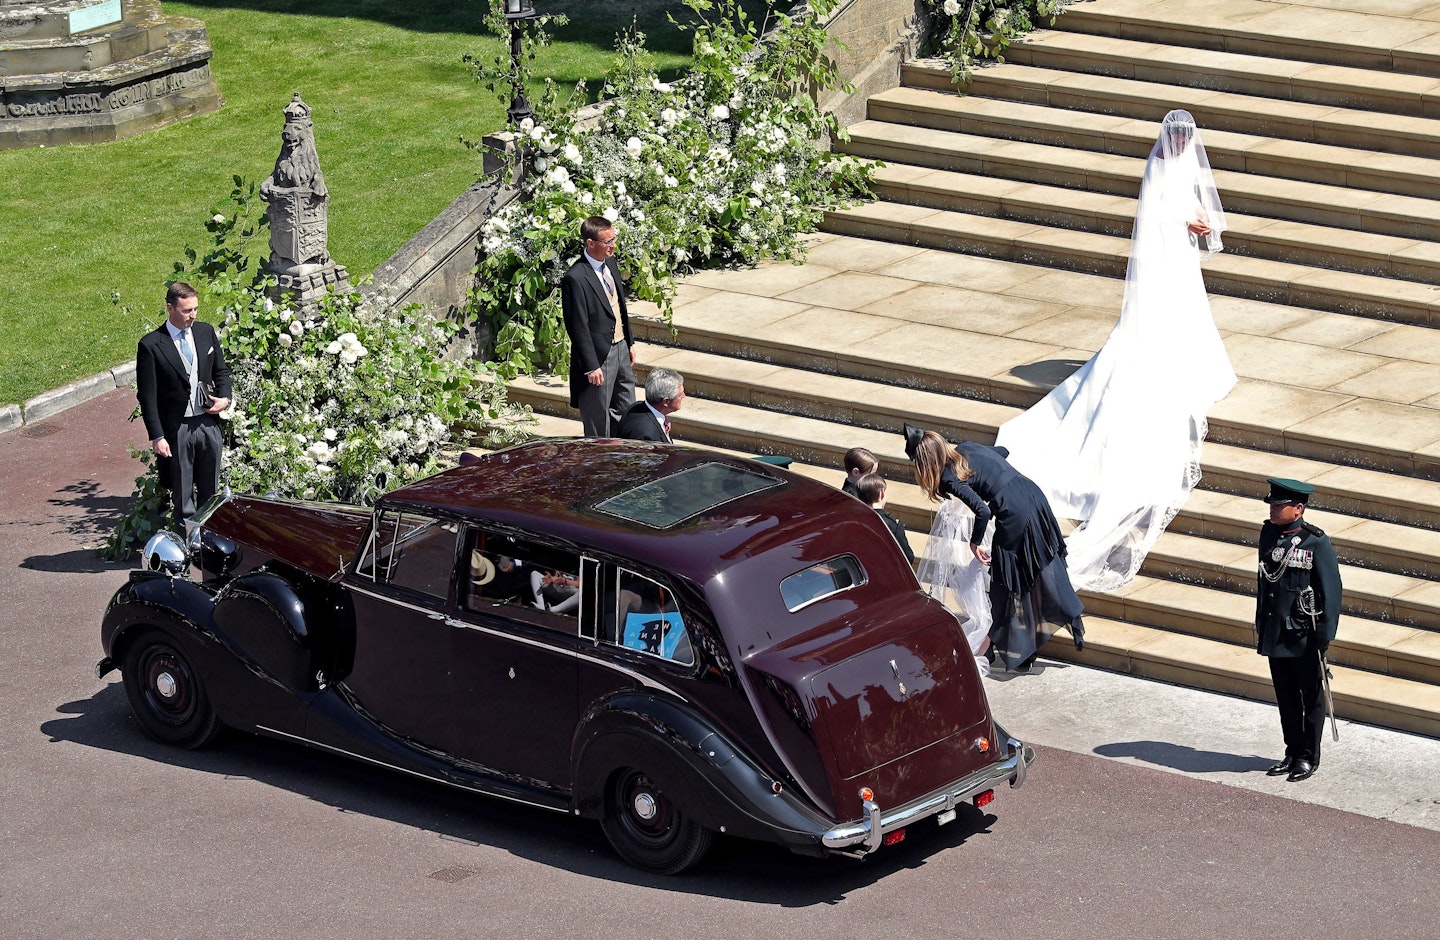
(165, 552)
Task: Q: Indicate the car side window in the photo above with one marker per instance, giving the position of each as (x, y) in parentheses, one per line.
(522, 579)
(412, 551)
(647, 619)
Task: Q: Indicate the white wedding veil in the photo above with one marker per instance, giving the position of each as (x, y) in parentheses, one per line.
(1179, 140)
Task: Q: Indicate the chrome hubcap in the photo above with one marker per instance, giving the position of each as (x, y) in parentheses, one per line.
(166, 685)
(645, 806)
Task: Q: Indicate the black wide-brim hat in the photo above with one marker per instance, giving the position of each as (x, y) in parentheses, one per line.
(1283, 490)
(913, 436)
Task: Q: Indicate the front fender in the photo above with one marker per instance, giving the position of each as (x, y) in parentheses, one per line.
(707, 776)
(241, 693)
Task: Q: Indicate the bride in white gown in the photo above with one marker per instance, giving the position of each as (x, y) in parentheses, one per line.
(1117, 445)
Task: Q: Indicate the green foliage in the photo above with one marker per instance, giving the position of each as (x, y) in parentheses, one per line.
(724, 165)
(992, 26)
(149, 510)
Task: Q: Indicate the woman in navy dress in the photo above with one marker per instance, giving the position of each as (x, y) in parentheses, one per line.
(1029, 585)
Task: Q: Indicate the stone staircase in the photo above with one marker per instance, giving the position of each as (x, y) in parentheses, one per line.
(992, 265)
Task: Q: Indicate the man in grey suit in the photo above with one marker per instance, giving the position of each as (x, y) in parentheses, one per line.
(602, 380)
(649, 420)
(183, 382)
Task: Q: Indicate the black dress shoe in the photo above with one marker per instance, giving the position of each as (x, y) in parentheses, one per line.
(1301, 771)
(1077, 630)
(1281, 768)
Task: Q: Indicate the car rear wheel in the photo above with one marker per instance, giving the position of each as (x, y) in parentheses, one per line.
(166, 693)
(648, 829)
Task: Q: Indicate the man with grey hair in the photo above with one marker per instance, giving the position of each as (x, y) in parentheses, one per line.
(649, 420)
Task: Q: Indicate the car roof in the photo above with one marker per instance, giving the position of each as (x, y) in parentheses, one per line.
(587, 491)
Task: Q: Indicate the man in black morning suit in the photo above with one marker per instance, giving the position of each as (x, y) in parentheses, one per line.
(183, 382)
(602, 380)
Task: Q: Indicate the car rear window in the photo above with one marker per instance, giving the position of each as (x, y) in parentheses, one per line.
(672, 499)
(821, 580)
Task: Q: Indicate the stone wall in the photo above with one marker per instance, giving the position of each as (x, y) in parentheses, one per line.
(878, 35)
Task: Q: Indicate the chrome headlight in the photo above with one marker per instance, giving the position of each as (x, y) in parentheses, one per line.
(165, 552)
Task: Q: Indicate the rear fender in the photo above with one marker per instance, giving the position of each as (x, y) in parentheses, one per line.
(708, 778)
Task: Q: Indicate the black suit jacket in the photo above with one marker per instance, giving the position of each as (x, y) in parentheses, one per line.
(639, 424)
(589, 320)
(162, 383)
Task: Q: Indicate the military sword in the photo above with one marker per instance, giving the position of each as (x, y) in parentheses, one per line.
(1329, 700)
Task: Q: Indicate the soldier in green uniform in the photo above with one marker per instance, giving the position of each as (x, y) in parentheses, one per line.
(1297, 608)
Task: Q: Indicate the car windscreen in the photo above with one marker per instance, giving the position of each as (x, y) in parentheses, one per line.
(672, 499)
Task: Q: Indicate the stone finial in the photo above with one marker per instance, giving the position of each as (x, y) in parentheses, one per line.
(298, 203)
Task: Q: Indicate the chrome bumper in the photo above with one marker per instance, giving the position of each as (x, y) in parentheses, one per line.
(864, 837)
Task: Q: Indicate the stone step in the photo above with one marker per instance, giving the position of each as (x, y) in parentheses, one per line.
(1301, 243)
(1399, 43)
(1248, 168)
(1233, 275)
(1203, 662)
(881, 390)
(1263, 75)
(1303, 138)
(1199, 662)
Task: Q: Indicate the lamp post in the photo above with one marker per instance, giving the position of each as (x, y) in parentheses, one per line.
(517, 12)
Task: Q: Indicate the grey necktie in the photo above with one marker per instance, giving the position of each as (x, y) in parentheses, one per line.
(187, 351)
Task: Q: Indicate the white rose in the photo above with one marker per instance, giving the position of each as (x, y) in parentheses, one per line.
(217, 217)
(527, 125)
(638, 215)
(329, 434)
(952, 7)
(719, 112)
(334, 347)
(285, 339)
(663, 87)
(586, 198)
(669, 116)
(633, 146)
(284, 314)
(572, 154)
(611, 214)
(542, 164)
(297, 328)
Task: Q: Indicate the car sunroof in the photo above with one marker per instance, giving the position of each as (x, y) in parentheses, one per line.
(672, 499)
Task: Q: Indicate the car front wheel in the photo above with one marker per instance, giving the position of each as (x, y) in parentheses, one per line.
(166, 693)
(648, 829)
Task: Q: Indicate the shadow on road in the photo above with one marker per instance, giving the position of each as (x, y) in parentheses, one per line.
(737, 869)
(1181, 757)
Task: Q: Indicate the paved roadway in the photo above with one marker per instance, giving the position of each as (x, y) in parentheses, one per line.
(1146, 814)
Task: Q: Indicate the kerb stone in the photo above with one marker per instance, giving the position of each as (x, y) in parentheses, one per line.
(67, 396)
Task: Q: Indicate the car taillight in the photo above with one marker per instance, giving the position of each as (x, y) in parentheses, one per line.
(984, 799)
(894, 838)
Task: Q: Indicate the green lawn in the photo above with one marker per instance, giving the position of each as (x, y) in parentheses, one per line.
(391, 99)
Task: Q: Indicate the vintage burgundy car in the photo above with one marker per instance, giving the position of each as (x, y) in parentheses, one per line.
(672, 641)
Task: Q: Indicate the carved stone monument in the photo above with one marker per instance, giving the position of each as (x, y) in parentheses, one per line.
(87, 71)
(298, 200)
